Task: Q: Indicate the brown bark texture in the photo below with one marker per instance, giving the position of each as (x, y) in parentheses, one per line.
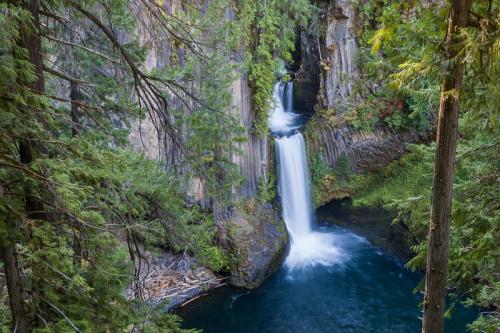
(20, 322)
(447, 136)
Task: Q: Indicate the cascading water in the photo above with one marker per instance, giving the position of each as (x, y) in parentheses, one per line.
(308, 247)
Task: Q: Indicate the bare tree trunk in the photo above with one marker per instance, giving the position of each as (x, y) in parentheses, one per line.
(447, 136)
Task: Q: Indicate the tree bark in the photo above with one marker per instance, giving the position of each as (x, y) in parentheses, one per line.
(447, 136)
(74, 93)
(13, 280)
(29, 40)
(74, 96)
(20, 322)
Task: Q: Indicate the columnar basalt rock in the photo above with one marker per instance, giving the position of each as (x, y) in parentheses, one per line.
(329, 57)
(340, 67)
(364, 150)
(333, 44)
(254, 160)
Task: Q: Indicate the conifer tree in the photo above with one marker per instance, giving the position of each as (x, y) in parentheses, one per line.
(436, 278)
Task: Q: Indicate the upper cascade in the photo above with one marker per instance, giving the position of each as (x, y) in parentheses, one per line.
(282, 121)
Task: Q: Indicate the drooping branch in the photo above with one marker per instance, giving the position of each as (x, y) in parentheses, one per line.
(147, 93)
(66, 77)
(156, 12)
(111, 36)
(94, 52)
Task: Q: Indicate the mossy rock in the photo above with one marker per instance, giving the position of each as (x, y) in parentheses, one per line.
(256, 240)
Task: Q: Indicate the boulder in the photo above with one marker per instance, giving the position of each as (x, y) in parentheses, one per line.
(256, 240)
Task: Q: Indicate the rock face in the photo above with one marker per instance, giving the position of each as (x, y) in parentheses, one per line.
(340, 67)
(329, 57)
(334, 46)
(344, 151)
(253, 161)
(307, 77)
(254, 235)
(256, 239)
(365, 151)
(255, 158)
(374, 223)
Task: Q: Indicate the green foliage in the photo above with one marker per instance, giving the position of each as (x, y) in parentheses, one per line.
(317, 168)
(342, 168)
(321, 177)
(267, 29)
(404, 184)
(473, 255)
(99, 204)
(329, 183)
(398, 54)
(267, 189)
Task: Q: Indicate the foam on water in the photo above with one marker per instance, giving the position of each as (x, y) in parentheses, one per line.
(282, 120)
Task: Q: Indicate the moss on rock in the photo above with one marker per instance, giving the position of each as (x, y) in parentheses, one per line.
(256, 240)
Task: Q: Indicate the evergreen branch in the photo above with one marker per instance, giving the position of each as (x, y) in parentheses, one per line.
(60, 19)
(140, 78)
(10, 162)
(61, 312)
(94, 52)
(460, 157)
(83, 106)
(66, 77)
(189, 41)
(111, 36)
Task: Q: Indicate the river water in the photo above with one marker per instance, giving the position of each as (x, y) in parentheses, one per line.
(368, 291)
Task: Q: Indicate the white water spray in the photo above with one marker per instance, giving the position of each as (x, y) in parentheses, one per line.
(308, 247)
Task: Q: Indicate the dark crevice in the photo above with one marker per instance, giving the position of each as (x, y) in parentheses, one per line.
(307, 73)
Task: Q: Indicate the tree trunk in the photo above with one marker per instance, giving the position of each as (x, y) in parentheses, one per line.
(74, 93)
(447, 136)
(14, 287)
(74, 96)
(29, 40)
(13, 280)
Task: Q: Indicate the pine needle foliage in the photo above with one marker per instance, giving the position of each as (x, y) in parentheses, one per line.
(401, 52)
(98, 203)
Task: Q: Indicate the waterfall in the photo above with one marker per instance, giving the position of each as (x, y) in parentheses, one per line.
(283, 121)
(293, 184)
(308, 247)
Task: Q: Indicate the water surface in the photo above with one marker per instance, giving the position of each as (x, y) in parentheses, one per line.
(367, 291)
